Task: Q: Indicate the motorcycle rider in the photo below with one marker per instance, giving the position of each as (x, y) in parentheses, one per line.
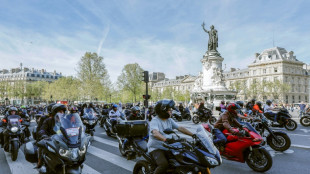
(202, 110)
(181, 108)
(257, 107)
(162, 121)
(135, 114)
(150, 113)
(47, 128)
(43, 118)
(249, 106)
(241, 115)
(114, 116)
(223, 106)
(227, 121)
(4, 138)
(268, 108)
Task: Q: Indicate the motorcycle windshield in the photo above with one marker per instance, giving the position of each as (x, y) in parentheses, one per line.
(13, 120)
(69, 127)
(88, 111)
(89, 116)
(205, 138)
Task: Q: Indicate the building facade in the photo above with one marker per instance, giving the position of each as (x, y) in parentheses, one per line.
(22, 76)
(274, 64)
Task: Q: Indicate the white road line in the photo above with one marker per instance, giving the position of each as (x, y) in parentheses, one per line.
(300, 146)
(106, 141)
(110, 157)
(299, 135)
(21, 165)
(89, 170)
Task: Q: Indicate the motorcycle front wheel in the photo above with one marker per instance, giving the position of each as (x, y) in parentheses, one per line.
(188, 117)
(195, 119)
(212, 120)
(283, 144)
(305, 121)
(290, 125)
(14, 151)
(142, 167)
(259, 160)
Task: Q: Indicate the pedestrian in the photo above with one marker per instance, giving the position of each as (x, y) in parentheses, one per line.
(292, 107)
(302, 108)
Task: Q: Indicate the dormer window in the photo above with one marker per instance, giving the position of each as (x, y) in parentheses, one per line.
(275, 70)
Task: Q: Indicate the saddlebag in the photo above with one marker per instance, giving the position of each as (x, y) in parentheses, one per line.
(132, 128)
(30, 151)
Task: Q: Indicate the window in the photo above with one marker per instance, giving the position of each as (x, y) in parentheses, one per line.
(38, 75)
(275, 70)
(293, 99)
(264, 71)
(254, 72)
(32, 75)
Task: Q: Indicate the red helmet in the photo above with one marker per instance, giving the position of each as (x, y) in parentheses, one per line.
(232, 107)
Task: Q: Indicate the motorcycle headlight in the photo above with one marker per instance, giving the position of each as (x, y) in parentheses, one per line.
(82, 150)
(14, 129)
(64, 152)
(212, 161)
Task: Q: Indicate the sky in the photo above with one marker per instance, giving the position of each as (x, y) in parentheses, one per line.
(161, 36)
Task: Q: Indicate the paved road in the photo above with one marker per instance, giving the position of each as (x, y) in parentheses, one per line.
(103, 157)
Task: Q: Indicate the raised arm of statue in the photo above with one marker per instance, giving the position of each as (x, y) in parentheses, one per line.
(203, 27)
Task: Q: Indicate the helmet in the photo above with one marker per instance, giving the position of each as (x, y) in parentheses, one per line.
(105, 106)
(151, 107)
(114, 106)
(49, 108)
(162, 107)
(240, 103)
(223, 102)
(268, 102)
(90, 105)
(135, 109)
(58, 107)
(259, 104)
(12, 109)
(73, 109)
(232, 107)
(253, 100)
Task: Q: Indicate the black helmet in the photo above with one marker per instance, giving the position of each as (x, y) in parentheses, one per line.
(268, 102)
(12, 109)
(162, 107)
(253, 100)
(135, 109)
(259, 104)
(58, 107)
(151, 107)
(49, 108)
(240, 103)
(90, 105)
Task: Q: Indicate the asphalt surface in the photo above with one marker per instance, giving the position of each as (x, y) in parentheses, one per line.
(103, 157)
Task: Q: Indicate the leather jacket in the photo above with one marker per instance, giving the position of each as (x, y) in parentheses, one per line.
(227, 121)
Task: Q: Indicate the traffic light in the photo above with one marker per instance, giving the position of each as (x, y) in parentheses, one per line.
(148, 96)
(145, 76)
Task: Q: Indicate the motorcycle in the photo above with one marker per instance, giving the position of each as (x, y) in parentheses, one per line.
(284, 119)
(63, 152)
(107, 126)
(90, 122)
(207, 116)
(277, 140)
(305, 120)
(132, 137)
(186, 114)
(184, 156)
(15, 130)
(176, 115)
(246, 148)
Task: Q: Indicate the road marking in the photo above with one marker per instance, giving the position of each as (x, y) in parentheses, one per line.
(305, 130)
(299, 135)
(300, 146)
(112, 158)
(89, 170)
(21, 165)
(106, 141)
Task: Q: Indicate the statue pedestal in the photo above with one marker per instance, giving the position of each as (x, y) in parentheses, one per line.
(210, 86)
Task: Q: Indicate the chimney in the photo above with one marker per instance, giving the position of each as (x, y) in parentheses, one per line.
(232, 69)
(256, 55)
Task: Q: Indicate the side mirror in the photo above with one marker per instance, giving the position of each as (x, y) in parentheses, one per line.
(168, 131)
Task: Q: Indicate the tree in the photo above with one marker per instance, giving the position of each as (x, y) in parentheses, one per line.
(130, 80)
(35, 89)
(93, 75)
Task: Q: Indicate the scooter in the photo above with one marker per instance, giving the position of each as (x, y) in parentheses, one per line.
(107, 126)
(246, 148)
(176, 115)
(90, 122)
(184, 156)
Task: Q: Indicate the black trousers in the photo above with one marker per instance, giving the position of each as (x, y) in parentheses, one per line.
(161, 161)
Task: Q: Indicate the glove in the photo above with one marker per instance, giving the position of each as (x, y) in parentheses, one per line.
(170, 141)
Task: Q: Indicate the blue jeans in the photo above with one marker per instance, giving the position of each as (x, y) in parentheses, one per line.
(301, 112)
(219, 137)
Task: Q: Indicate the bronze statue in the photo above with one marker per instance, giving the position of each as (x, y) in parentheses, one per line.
(213, 37)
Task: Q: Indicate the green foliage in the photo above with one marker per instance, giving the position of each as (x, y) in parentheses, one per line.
(130, 81)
